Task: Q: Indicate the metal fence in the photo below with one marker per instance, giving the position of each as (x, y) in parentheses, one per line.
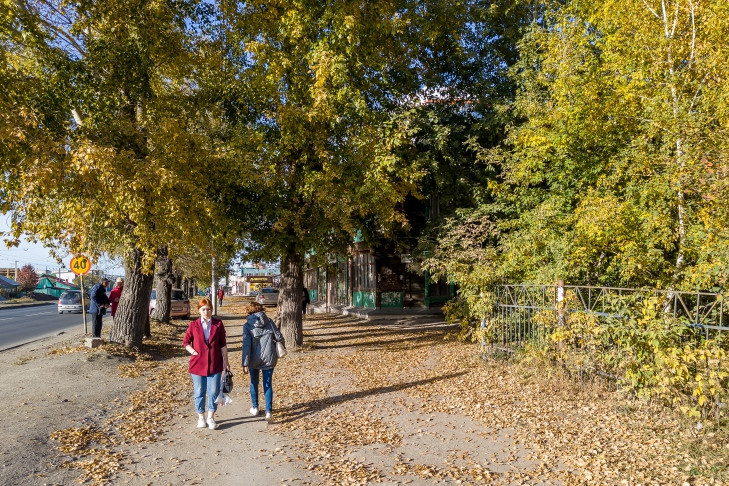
(513, 318)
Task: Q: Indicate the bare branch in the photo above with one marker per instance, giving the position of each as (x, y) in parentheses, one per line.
(692, 56)
(22, 5)
(650, 9)
(675, 20)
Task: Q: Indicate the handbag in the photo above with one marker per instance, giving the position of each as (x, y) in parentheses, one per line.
(226, 382)
(281, 349)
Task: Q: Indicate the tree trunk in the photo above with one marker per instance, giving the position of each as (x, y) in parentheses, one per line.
(133, 311)
(289, 300)
(165, 278)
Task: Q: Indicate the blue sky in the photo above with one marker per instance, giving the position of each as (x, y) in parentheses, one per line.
(38, 256)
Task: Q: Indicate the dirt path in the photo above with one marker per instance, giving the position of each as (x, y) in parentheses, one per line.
(389, 402)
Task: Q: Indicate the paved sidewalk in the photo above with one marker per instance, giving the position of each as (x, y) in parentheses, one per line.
(358, 405)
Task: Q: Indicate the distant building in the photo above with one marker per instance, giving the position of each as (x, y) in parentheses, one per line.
(380, 275)
(9, 288)
(51, 285)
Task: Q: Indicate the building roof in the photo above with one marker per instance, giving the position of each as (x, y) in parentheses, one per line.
(49, 281)
(8, 282)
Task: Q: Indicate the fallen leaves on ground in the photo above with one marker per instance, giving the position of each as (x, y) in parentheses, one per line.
(146, 412)
(558, 431)
(346, 401)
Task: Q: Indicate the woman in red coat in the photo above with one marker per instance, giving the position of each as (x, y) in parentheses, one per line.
(205, 341)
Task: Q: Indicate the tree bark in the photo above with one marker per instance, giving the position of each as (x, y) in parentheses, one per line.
(165, 278)
(133, 311)
(289, 299)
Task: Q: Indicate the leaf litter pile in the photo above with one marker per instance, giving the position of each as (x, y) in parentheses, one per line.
(366, 402)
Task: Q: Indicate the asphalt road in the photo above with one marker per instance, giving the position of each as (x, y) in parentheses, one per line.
(22, 325)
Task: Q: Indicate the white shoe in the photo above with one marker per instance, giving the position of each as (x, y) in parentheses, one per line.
(211, 423)
(268, 416)
(254, 411)
(200, 421)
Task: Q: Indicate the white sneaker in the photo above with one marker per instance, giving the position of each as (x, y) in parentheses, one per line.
(268, 416)
(200, 422)
(254, 411)
(211, 423)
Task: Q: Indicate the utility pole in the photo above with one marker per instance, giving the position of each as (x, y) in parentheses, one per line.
(16, 271)
(214, 289)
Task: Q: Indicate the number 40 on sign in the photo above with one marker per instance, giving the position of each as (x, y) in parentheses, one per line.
(80, 265)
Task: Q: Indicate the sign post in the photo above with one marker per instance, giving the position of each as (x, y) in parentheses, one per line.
(80, 265)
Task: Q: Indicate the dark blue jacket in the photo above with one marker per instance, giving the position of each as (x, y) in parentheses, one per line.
(98, 299)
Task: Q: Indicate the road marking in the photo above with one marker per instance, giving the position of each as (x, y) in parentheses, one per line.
(39, 314)
(7, 318)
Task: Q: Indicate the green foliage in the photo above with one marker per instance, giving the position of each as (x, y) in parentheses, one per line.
(613, 169)
(650, 353)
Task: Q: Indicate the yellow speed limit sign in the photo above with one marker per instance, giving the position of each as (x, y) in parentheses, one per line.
(80, 265)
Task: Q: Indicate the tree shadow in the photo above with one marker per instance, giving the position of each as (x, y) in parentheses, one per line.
(373, 333)
(300, 410)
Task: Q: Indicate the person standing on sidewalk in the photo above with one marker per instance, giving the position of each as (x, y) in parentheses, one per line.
(115, 295)
(305, 300)
(97, 308)
(260, 336)
(205, 341)
(221, 293)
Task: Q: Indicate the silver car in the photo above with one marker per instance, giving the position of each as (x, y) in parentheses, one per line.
(179, 303)
(70, 301)
(267, 296)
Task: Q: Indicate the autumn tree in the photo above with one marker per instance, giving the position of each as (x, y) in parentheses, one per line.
(27, 277)
(316, 87)
(611, 176)
(107, 151)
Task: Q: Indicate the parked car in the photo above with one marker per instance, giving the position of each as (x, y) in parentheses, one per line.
(252, 293)
(179, 303)
(267, 296)
(70, 301)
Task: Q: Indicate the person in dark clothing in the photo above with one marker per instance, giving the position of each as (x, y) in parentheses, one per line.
(259, 356)
(99, 302)
(305, 300)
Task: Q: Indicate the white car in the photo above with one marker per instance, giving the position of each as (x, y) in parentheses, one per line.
(70, 301)
(267, 296)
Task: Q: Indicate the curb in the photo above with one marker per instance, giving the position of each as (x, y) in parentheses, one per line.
(376, 313)
(29, 304)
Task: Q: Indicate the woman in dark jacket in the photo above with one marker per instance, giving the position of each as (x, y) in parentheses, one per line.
(260, 336)
(205, 341)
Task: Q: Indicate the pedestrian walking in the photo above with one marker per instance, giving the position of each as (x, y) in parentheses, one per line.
(205, 341)
(97, 308)
(305, 300)
(260, 336)
(221, 294)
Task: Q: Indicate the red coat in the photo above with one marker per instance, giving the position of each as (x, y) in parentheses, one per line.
(209, 359)
(114, 297)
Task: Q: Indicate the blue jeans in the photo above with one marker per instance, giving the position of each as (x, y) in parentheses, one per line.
(267, 390)
(201, 384)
